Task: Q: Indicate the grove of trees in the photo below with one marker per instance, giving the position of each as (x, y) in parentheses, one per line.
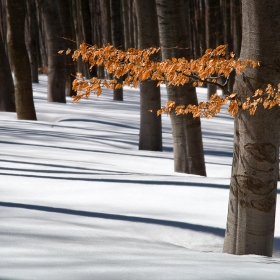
(33, 33)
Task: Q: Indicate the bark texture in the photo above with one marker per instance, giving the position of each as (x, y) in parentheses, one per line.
(186, 131)
(150, 136)
(66, 15)
(253, 189)
(7, 99)
(19, 57)
(56, 62)
(117, 37)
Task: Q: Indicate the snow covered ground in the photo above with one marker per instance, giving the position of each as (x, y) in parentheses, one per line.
(78, 200)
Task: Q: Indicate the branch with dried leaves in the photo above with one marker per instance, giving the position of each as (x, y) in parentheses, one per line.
(138, 66)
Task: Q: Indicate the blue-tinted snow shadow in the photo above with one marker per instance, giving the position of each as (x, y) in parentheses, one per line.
(182, 225)
(119, 181)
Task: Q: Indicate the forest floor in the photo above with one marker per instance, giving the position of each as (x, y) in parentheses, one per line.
(78, 200)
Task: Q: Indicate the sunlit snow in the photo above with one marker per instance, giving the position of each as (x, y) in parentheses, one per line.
(78, 200)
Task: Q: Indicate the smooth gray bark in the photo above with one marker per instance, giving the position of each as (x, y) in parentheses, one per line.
(186, 131)
(253, 187)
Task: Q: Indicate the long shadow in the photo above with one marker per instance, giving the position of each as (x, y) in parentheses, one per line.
(276, 245)
(123, 181)
(127, 181)
(182, 225)
(64, 135)
(83, 150)
(99, 122)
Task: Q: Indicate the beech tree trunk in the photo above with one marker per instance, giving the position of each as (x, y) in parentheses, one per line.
(33, 39)
(253, 187)
(66, 14)
(186, 131)
(55, 42)
(7, 102)
(117, 37)
(19, 57)
(150, 136)
(211, 34)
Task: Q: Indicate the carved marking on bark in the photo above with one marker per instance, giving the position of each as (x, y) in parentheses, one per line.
(244, 203)
(255, 185)
(262, 151)
(233, 186)
(231, 206)
(264, 205)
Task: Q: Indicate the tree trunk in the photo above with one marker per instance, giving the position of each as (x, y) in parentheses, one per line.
(117, 37)
(236, 35)
(211, 32)
(87, 32)
(187, 137)
(42, 47)
(33, 39)
(150, 136)
(56, 62)
(66, 14)
(7, 102)
(253, 188)
(19, 57)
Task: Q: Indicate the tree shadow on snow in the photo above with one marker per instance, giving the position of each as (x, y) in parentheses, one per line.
(182, 225)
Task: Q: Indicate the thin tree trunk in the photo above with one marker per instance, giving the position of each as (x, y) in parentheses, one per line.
(55, 42)
(187, 137)
(19, 57)
(7, 99)
(150, 136)
(236, 34)
(117, 37)
(33, 39)
(253, 189)
(211, 9)
(65, 7)
(42, 47)
(87, 32)
(125, 24)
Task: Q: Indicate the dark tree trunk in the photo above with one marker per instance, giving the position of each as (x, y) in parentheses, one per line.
(106, 21)
(125, 24)
(66, 14)
(3, 22)
(150, 136)
(19, 57)
(131, 23)
(253, 187)
(235, 35)
(187, 137)
(55, 42)
(212, 12)
(193, 31)
(33, 39)
(117, 37)
(7, 102)
(42, 47)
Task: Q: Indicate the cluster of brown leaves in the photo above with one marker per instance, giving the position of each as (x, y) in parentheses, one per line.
(268, 98)
(138, 66)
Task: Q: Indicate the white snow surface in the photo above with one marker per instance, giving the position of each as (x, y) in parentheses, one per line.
(78, 200)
